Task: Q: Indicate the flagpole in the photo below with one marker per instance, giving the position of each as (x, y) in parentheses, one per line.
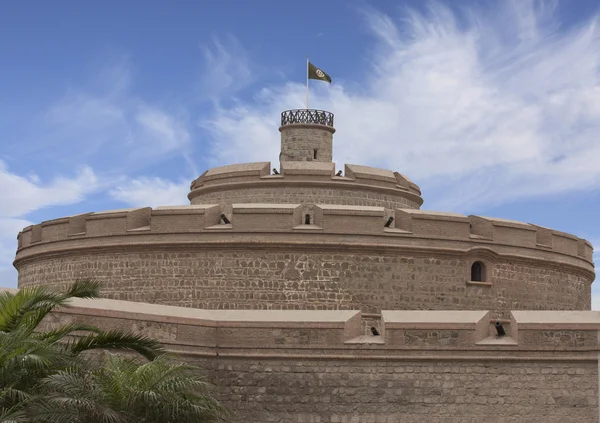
(306, 82)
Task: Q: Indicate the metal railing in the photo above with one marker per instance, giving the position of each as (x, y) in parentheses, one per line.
(319, 117)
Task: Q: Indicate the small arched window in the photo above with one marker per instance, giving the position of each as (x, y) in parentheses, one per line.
(478, 272)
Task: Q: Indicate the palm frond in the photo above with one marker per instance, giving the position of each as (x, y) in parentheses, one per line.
(61, 332)
(84, 288)
(120, 340)
(14, 414)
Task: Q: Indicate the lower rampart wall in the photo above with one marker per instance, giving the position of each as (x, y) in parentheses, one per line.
(286, 366)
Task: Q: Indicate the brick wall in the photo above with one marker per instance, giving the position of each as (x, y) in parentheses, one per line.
(328, 391)
(304, 366)
(245, 279)
(299, 142)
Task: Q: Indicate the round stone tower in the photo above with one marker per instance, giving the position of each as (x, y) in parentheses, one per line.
(310, 237)
(306, 136)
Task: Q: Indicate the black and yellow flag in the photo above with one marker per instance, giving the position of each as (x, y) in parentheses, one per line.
(316, 73)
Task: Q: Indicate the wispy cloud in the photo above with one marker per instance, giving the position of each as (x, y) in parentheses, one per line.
(104, 124)
(21, 195)
(144, 192)
(498, 107)
(108, 123)
(227, 68)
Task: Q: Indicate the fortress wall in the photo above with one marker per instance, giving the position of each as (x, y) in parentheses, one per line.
(305, 182)
(335, 195)
(301, 366)
(284, 278)
(268, 258)
(327, 391)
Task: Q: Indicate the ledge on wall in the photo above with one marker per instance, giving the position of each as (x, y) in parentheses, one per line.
(498, 340)
(308, 228)
(479, 283)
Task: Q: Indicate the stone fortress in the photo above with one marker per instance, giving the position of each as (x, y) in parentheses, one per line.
(312, 294)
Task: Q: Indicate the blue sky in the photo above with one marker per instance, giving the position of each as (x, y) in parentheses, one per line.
(493, 108)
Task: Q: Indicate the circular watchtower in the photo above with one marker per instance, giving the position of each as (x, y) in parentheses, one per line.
(306, 136)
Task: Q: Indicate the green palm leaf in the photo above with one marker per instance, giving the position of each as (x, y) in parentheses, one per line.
(116, 339)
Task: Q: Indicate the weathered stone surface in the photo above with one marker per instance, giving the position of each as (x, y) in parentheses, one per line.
(238, 279)
(273, 367)
(304, 195)
(247, 243)
(362, 391)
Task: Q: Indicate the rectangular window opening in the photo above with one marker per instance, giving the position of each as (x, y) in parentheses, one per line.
(315, 154)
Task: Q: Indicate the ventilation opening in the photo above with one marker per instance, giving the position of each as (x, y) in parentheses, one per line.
(315, 154)
(478, 272)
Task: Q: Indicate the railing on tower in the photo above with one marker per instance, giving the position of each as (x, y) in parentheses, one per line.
(319, 117)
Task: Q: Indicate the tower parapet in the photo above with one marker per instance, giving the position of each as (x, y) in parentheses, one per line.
(306, 136)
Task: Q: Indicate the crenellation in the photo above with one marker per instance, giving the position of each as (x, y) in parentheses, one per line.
(77, 224)
(139, 219)
(265, 217)
(481, 227)
(371, 173)
(513, 232)
(358, 219)
(543, 236)
(180, 219)
(300, 169)
(428, 223)
(293, 329)
(242, 170)
(36, 233)
(52, 230)
(565, 243)
(107, 223)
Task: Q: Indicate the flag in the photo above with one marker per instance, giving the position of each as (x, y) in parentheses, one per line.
(316, 73)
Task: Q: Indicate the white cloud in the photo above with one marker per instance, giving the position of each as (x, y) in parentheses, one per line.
(144, 192)
(498, 107)
(227, 68)
(21, 195)
(103, 123)
(162, 133)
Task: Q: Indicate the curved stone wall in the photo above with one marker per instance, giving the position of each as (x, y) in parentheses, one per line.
(281, 278)
(426, 367)
(345, 259)
(305, 183)
(302, 142)
(314, 195)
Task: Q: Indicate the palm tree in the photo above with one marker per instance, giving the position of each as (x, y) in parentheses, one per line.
(31, 359)
(124, 391)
